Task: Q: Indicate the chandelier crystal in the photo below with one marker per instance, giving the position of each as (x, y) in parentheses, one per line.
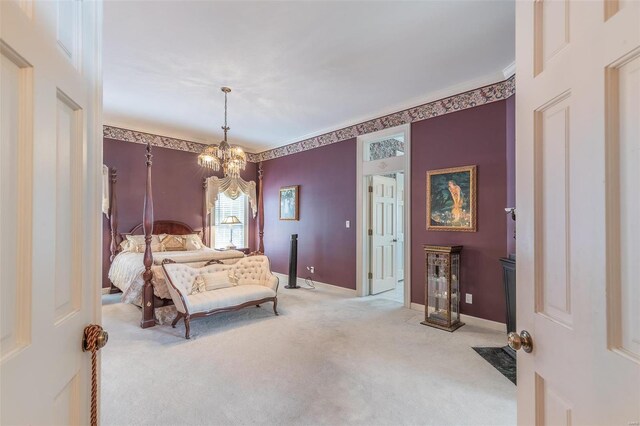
(231, 159)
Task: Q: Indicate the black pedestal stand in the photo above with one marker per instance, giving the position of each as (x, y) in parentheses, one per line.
(509, 279)
(293, 263)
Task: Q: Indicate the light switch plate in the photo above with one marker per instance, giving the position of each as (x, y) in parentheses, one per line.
(347, 224)
(468, 298)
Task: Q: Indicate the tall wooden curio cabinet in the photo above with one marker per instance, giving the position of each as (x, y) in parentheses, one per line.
(442, 292)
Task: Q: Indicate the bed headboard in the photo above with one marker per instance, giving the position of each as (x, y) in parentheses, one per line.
(166, 227)
(172, 227)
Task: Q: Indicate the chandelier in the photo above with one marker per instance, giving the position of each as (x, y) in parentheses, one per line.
(232, 159)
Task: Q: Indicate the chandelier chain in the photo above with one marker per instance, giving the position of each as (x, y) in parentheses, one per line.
(225, 128)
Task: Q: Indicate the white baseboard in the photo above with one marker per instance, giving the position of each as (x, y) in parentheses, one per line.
(284, 279)
(471, 320)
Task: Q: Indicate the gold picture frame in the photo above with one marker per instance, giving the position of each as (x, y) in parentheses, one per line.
(452, 199)
(290, 202)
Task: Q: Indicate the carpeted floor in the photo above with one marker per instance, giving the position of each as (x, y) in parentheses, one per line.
(328, 359)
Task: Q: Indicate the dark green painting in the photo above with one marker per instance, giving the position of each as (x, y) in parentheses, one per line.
(451, 199)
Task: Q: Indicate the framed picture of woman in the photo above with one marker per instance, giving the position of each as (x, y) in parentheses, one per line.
(289, 202)
(451, 199)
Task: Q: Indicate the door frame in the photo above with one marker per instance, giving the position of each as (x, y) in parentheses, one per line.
(369, 168)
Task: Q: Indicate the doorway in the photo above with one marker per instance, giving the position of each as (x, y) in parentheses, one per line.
(383, 212)
(386, 239)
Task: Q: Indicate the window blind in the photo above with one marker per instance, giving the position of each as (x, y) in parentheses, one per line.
(224, 208)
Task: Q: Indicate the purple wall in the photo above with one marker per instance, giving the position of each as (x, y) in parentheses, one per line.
(511, 170)
(473, 136)
(177, 188)
(483, 136)
(327, 179)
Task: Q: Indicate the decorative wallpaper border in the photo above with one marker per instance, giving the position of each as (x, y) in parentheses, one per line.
(134, 136)
(473, 98)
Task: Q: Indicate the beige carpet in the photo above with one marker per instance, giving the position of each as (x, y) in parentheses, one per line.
(328, 359)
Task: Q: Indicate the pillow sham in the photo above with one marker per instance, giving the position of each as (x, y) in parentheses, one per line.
(193, 242)
(124, 245)
(137, 244)
(173, 242)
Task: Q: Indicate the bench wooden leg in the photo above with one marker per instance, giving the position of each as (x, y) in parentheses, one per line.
(187, 333)
(257, 306)
(275, 306)
(175, 321)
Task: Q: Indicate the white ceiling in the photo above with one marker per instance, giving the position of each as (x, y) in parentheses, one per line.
(297, 69)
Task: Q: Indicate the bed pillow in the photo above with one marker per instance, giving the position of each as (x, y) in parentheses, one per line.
(173, 242)
(193, 242)
(217, 280)
(137, 244)
(125, 246)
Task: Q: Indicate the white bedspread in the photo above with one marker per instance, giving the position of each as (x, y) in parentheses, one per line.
(127, 268)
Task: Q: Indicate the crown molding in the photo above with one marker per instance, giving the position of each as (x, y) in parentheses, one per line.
(469, 99)
(489, 79)
(445, 105)
(509, 70)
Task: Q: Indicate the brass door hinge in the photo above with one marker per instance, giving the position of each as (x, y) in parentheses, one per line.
(370, 232)
(371, 189)
(370, 275)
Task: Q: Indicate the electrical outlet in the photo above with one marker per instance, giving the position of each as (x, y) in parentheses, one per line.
(347, 224)
(311, 269)
(468, 298)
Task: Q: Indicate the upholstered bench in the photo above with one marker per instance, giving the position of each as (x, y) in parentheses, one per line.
(216, 287)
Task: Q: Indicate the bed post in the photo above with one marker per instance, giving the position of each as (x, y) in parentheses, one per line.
(113, 214)
(260, 211)
(204, 211)
(148, 317)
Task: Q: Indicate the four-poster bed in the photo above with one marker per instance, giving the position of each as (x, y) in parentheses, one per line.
(140, 276)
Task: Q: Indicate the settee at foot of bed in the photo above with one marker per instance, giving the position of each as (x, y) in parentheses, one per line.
(253, 284)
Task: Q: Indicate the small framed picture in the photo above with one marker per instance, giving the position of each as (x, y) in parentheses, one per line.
(289, 202)
(451, 199)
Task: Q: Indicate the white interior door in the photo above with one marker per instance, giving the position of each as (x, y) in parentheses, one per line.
(51, 151)
(578, 157)
(383, 228)
(400, 226)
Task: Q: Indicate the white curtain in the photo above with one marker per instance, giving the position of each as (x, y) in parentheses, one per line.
(105, 190)
(232, 188)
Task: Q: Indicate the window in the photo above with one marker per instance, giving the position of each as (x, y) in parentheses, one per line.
(224, 208)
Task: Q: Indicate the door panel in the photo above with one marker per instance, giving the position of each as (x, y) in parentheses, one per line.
(553, 286)
(624, 201)
(576, 179)
(15, 218)
(51, 159)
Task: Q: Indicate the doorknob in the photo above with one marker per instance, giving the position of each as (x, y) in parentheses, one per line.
(522, 340)
(94, 339)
